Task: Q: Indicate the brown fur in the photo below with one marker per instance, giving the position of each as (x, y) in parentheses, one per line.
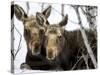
(32, 29)
(33, 34)
(63, 47)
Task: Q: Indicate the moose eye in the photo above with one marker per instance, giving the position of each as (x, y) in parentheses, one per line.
(41, 31)
(59, 36)
(26, 31)
(58, 39)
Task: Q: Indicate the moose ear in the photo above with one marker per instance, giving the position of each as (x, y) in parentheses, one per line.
(40, 19)
(47, 12)
(64, 21)
(19, 12)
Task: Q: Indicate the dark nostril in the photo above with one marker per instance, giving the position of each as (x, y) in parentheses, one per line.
(36, 45)
(50, 54)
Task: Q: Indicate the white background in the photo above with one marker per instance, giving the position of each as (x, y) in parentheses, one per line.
(5, 35)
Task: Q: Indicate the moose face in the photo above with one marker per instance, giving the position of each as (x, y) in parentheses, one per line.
(33, 35)
(54, 38)
(33, 30)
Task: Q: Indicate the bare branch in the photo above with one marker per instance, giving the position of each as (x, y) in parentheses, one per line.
(28, 7)
(63, 16)
(42, 7)
(89, 50)
(12, 45)
(62, 10)
(85, 57)
(12, 41)
(75, 65)
(19, 41)
(89, 18)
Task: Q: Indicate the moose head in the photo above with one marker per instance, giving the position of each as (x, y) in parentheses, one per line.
(32, 29)
(54, 37)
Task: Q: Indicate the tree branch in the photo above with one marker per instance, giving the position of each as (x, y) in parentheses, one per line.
(85, 57)
(76, 63)
(89, 50)
(19, 41)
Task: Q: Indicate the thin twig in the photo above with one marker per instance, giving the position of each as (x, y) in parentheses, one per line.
(28, 7)
(63, 16)
(12, 28)
(19, 41)
(85, 57)
(62, 10)
(76, 63)
(42, 7)
(95, 26)
(12, 54)
(86, 13)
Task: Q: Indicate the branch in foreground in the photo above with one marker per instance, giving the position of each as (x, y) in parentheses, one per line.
(76, 63)
(19, 41)
(85, 57)
(89, 50)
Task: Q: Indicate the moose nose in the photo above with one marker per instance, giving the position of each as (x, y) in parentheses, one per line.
(50, 55)
(36, 47)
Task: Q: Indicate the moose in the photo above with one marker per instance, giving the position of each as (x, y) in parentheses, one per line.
(34, 37)
(50, 46)
(62, 46)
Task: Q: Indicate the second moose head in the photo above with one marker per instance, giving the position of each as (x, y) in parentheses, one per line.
(54, 37)
(32, 29)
